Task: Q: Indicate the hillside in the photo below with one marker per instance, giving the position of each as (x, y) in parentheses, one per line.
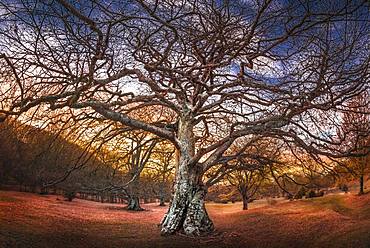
(31, 157)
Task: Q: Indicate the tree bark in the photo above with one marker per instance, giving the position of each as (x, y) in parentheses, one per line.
(361, 185)
(187, 211)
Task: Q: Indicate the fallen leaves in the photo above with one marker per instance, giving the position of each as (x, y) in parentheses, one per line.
(44, 221)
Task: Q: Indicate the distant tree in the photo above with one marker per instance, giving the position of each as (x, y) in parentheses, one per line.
(128, 154)
(356, 130)
(247, 182)
(250, 169)
(141, 149)
(69, 194)
(161, 167)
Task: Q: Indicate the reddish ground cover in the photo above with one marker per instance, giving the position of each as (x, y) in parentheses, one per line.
(29, 220)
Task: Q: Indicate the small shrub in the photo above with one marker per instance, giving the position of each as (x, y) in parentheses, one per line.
(311, 194)
(271, 201)
(301, 192)
(223, 200)
(69, 194)
(344, 188)
(289, 197)
(232, 198)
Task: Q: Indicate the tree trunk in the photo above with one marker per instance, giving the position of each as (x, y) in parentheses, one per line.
(133, 196)
(161, 201)
(361, 185)
(245, 201)
(134, 204)
(187, 211)
(161, 195)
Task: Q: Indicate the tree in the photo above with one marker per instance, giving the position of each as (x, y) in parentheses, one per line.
(141, 149)
(161, 168)
(250, 169)
(356, 129)
(247, 183)
(127, 153)
(224, 69)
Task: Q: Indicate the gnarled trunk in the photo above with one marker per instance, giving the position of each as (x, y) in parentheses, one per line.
(187, 211)
(133, 198)
(134, 204)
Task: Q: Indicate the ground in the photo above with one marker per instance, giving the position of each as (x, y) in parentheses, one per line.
(30, 220)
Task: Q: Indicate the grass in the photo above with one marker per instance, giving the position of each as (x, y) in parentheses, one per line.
(7, 199)
(333, 202)
(355, 206)
(28, 220)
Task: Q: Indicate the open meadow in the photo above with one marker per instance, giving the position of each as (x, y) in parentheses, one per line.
(29, 220)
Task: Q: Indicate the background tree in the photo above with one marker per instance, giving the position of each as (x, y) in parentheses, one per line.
(250, 169)
(247, 182)
(161, 168)
(356, 130)
(141, 149)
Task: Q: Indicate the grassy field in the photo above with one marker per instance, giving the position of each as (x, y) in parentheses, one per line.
(29, 220)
